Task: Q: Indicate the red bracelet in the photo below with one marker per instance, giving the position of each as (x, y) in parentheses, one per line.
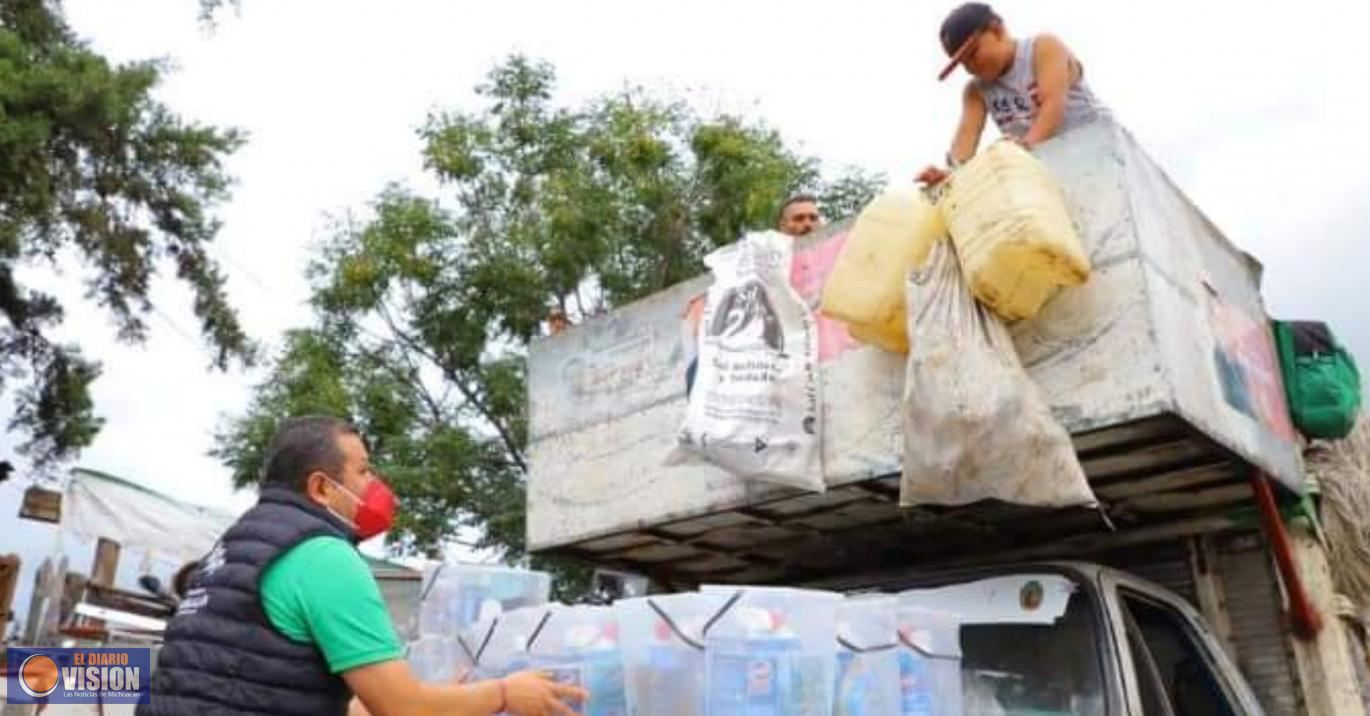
(503, 698)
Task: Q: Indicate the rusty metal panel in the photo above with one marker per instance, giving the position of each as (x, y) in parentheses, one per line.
(1254, 606)
(1114, 358)
(1211, 326)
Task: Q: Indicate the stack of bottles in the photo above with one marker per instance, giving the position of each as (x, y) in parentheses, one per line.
(726, 651)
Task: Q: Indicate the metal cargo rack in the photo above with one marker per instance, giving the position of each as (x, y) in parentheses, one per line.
(1158, 479)
(1161, 367)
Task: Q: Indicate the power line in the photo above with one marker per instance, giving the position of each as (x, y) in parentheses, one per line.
(176, 328)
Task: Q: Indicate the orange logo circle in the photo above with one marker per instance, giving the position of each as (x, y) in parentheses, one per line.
(38, 675)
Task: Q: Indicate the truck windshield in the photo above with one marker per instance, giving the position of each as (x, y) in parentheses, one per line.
(1027, 644)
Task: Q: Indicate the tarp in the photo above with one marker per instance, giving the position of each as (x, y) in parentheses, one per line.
(99, 505)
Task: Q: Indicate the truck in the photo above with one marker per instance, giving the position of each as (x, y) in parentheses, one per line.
(1201, 585)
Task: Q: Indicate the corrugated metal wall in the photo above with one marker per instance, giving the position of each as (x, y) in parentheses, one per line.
(1173, 574)
(1254, 605)
(1253, 598)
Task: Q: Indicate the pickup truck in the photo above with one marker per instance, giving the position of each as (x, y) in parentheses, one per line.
(1082, 639)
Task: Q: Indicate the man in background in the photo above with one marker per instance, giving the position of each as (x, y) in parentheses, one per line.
(799, 215)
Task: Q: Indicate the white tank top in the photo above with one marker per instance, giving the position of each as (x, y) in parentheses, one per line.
(1011, 98)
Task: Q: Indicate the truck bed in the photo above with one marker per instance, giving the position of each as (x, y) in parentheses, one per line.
(1161, 367)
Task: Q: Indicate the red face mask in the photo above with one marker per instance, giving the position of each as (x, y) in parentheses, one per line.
(375, 508)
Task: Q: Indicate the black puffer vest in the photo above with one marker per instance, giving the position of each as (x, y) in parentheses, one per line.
(221, 655)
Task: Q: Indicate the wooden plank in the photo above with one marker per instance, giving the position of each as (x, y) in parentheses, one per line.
(795, 507)
(703, 524)
(9, 584)
(878, 491)
(1111, 438)
(616, 543)
(1187, 501)
(661, 553)
(73, 591)
(734, 540)
(41, 505)
(711, 564)
(856, 515)
(150, 606)
(106, 565)
(1186, 477)
(41, 578)
(699, 546)
(53, 605)
(1166, 455)
(1208, 588)
(128, 619)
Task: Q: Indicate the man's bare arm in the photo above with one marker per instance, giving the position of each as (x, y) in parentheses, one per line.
(390, 689)
(967, 139)
(973, 114)
(1051, 70)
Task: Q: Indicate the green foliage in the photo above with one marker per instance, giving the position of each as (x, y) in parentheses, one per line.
(92, 167)
(425, 311)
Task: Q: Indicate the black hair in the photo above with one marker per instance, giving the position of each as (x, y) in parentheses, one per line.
(180, 583)
(305, 445)
(794, 199)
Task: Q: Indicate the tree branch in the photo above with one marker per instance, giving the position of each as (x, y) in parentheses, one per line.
(415, 382)
(580, 305)
(467, 392)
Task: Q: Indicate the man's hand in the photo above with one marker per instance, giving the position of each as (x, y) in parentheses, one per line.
(932, 175)
(388, 688)
(533, 693)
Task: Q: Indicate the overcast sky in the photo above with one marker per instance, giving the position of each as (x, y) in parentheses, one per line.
(1256, 109)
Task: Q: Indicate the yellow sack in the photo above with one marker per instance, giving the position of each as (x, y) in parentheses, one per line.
(1009, 222)
(865, 290)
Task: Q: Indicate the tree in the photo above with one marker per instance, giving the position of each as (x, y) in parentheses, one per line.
(425, 310)
(92, 167)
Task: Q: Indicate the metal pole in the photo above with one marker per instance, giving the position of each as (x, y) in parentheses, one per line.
(1303, 617)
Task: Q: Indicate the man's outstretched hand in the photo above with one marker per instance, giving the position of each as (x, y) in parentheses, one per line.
(534, 693)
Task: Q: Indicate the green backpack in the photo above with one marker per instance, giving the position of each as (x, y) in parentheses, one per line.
(1320, 379)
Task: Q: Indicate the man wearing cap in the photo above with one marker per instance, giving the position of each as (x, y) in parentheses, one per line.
(1033, 87)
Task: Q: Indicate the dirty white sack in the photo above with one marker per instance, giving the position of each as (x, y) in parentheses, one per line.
(975, 425)
(754, 409)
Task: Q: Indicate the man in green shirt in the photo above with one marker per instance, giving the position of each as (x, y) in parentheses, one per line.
(284, 617)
